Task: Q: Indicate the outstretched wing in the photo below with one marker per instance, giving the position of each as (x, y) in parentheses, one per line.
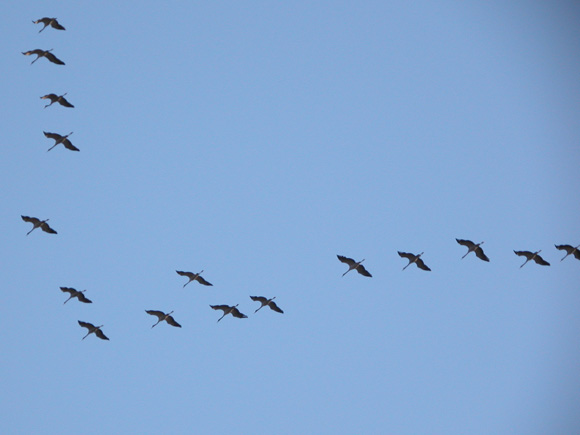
(46, 228)
(100, 334)
(260, 299)
(172, 322)
(67, 143)
(421, 264)
(526, 254)
(236, 313)
(467, 243)
(188, 274)
(202, 281)
(160, 314)
(54, 136)
(64, 102)
(361, 269)
(224, 308)
(34, 221)
(87, 325)
(69, 290)
(346, 260)
(541, 261)
(406, 255)
(55, 24)
(275, 307)
(81, 297)
(480, 254)
(51, 97)
(53, 58)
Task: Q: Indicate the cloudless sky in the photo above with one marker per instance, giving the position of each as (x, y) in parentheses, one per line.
(256, 141)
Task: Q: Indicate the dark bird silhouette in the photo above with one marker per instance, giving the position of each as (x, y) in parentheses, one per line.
(569, 250)
(52, 22)
(37, 223)
(56, 99)
(93, 329)
(162, 316)
(43, 53)
(265, 301)
(75, 294)
(193, 277)
(472, 247)
(229, 310)
(60, 139)
(532, 256)
(414, 259)
(354, 265)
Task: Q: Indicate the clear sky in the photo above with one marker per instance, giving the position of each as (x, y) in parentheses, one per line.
(256, 141)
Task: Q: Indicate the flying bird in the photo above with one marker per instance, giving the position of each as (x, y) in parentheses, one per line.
(229, 310)
(37, 223)
(43, 53)
(569, 250)
(76, 294)
(93, 329)
(532, 256)
(265, 301)
(52, 22)
(162, 316)
(471, 247)
(56, 99)
(354, 265)
(60, 139)
(414, 259)
(193, 277)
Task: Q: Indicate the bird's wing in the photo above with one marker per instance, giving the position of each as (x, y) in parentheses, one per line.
(172, 321)
(81, 297)
(577, 254)
(541, 261)
(46, 228)
(275, 307)
(159, 314)
(202, 281)
(38, 52)
(406, 255)
(421, 264)
(53, 58)
(69, 145)
(361, 269)
(526, 254)
(260, 299)
(70, 290)
(236, 313)
(56, 25)
(101, 335)
(566, 248)
(224, 308)
(188, 274)
(54, 136)
(480, 254)
(51, 97)
(32, 220)
(346, 260)
(64, 102)
(467, 243)
(86, 325)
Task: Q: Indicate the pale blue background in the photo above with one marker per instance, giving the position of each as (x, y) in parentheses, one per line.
(257, 140)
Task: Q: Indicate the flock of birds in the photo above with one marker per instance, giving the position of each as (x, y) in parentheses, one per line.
(44, 226)
(226, 309)
(471, 247)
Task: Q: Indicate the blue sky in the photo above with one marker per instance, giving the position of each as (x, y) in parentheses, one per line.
(257, 141)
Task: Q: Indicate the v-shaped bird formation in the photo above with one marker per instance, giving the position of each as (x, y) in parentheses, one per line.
(226, 309)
